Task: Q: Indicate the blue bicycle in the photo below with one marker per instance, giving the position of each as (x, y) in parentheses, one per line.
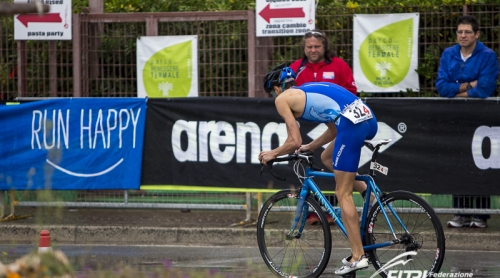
(400, 224)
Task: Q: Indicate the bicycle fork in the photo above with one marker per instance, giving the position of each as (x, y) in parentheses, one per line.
(301, 211)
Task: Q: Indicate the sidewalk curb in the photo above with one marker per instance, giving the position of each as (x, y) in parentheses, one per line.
(472, 241)
(73, 234)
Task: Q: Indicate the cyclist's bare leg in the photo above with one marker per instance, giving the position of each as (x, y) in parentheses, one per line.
(326, 159)
(345, 181)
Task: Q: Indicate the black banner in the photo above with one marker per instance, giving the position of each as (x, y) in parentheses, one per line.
(440, 146)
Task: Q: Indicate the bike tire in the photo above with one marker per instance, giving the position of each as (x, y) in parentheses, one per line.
(304, 256)
(425, 236)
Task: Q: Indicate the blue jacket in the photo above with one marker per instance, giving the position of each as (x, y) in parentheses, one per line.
(481, 66)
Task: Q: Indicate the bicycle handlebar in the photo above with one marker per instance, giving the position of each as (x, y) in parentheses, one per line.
(373, 145)
(307, 156)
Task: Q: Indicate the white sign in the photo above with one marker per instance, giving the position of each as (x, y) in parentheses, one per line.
(284, 17)
(54, 25)
(167, 66)
(386, 52)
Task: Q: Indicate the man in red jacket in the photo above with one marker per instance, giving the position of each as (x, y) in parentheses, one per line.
(321, 65)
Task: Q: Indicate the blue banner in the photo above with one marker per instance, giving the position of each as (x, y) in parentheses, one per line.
(72, 144)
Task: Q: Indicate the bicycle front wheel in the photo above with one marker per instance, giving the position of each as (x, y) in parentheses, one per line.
(423, 234)
(304, 255)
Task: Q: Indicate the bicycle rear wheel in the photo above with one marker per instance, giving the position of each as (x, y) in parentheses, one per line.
(299, 256)
(425, 235)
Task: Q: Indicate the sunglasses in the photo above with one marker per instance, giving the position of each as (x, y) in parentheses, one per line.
(313, 33)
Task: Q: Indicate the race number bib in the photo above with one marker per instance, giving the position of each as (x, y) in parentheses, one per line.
(357, 112)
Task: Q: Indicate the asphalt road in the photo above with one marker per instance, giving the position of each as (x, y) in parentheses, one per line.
(199, 227)
(230, 260)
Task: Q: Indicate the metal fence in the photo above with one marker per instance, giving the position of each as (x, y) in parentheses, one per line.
(100, 61)
(225, 199)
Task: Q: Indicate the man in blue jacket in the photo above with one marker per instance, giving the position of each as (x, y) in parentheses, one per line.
(469, 68)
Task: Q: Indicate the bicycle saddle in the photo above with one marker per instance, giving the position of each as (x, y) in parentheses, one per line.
(372, 144)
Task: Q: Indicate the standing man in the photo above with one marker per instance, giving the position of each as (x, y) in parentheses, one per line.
(468, 69)
(320, 64)
(334, 106)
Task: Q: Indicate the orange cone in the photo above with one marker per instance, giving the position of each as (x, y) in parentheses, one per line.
(44, 245)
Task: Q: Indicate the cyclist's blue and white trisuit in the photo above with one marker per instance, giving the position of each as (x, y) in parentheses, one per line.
(324, 104)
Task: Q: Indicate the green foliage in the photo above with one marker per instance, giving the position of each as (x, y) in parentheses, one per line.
(78, 5)
(429, 64)
(403, 3)
(8, 59)
(124, 6)
(119, 6)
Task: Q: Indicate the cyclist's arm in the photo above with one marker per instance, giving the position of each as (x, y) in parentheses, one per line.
(294, 139)
(325, 138)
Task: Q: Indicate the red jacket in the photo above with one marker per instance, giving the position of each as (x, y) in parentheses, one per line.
(335, 71)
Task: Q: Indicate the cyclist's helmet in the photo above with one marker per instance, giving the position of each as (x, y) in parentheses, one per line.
(277, 76)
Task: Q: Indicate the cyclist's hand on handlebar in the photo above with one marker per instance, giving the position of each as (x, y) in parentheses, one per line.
(304, 148)
(266, 156)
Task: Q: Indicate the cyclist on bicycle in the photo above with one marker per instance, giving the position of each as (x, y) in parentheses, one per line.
(347, 118)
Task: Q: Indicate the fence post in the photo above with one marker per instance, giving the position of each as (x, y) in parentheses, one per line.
(2, 203)
(263, 61)
(251, 52)
(85, 56)
(96, 6)
(249, 206)
(22, 82)
(53, 68)
(259, 202)
(94, 32)
(77, 57)
(151, 26)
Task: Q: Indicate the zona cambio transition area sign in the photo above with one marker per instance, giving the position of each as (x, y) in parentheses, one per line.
(284, 17)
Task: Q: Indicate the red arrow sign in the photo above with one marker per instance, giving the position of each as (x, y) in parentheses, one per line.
(46, 18)
(267, 13)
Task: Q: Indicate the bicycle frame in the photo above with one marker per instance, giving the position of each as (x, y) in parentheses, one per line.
(309, 187)
(399, 223)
